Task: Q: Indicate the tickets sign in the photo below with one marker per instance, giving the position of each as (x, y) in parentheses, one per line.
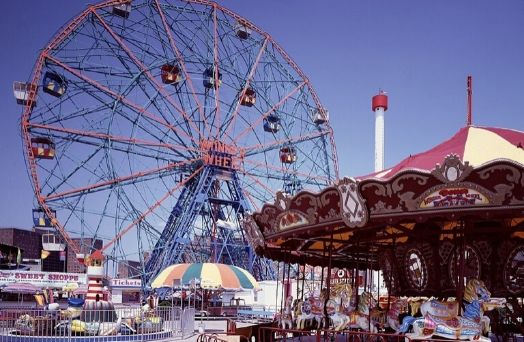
(126, 283)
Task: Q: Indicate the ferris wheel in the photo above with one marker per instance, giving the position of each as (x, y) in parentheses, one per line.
(155, 126)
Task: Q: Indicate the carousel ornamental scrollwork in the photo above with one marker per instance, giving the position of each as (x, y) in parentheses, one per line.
(453, 170)
(253, 233)
(352, 205)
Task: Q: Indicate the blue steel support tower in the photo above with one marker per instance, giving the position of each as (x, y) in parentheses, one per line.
(205, 224)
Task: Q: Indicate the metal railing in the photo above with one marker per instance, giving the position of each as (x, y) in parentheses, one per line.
(270, 334)
(210, 338)
(119, 324)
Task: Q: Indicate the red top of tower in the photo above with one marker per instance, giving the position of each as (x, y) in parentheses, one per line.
(380, 100)
(97, 255)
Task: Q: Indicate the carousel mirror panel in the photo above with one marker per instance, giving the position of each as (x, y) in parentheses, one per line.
(416, 269)
(514, 270)
(471, 268)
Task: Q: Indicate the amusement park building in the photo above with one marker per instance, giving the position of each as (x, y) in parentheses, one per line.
(30, 244)
(129, 269)
(28, 241)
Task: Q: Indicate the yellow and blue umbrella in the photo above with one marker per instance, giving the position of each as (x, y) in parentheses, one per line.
(212, 276)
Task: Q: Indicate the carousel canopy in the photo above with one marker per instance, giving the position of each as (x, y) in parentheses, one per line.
(465, 195)
(476, 145)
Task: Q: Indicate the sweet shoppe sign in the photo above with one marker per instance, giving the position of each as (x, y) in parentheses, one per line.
(41, 279)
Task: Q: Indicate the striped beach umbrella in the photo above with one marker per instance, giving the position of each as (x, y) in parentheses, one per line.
(211, 276)
(21, 288)
(70, 287)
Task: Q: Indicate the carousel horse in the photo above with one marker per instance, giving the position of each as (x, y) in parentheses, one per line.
(337, 305)
(285, 317)
(414, 304)
(297, 308)
(396, 307)
(311, 312)
(488, 306)
(306, 317)
(360, 318)
(343, 291)
(441, 318)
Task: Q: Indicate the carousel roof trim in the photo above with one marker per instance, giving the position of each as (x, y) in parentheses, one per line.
(363, 210)
(451, 189)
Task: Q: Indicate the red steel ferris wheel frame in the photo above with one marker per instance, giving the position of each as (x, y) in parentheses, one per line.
(73, 24)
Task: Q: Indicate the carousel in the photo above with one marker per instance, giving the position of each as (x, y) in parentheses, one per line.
(448, 222)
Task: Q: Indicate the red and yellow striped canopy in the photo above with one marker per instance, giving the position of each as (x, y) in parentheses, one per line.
(211, 276)
(476, 145)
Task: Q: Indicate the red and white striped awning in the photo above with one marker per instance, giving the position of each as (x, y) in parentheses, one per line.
(476, 145)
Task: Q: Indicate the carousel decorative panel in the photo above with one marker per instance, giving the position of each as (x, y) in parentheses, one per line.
(416, 269)
(471, 265)
(514, 270)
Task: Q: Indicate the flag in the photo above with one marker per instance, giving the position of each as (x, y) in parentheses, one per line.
(51, 296)
(45, 295)
(39, 299)
(19, 257)
(44, 254)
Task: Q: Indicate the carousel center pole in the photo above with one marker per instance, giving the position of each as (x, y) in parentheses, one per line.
(288, 284)
(303, 267)
(378, 287)
(278, 275)
(390, 280)
(462, 247)
(357, 282)
(301, 293)
(368, 284)
(328, 291)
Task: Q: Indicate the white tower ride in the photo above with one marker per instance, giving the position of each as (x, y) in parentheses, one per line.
(379, 105)
(95, 274)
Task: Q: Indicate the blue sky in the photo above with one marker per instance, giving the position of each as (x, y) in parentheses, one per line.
(420, 52)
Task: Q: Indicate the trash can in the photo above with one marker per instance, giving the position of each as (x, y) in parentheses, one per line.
(231, 326)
